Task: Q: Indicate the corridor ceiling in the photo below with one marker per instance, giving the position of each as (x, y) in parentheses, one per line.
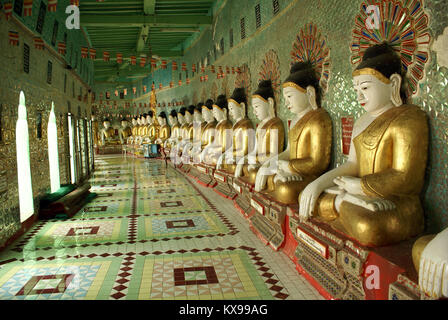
(155, 28)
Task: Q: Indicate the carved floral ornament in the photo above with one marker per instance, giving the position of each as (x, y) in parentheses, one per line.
(310, 45)
(404, 24)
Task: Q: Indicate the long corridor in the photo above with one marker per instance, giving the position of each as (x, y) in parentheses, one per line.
(151, 233)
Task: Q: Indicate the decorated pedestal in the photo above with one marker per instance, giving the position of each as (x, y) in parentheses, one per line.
(242, 201)
(205, 175)
(268, 221)
(224, 184)
(339, 268)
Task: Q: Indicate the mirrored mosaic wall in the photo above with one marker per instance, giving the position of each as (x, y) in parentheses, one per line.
(277, 32)
(63, 90)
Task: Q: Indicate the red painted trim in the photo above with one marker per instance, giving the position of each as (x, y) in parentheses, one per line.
(317, 240)
(25, 226)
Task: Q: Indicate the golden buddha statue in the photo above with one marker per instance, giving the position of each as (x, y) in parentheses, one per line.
(187, 129)
(165, 130)
(107, 133)
(222, 142)
(175, 130)
(183, 131)
(374, 196)
(269, 136)
(309, 149)
(198, 127)
(134, 131)
(153, 128)
(237, 109)
(142, 130)
(125, 131)
(208, 131)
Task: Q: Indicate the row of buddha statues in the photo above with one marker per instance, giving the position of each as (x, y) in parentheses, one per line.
(374, 197)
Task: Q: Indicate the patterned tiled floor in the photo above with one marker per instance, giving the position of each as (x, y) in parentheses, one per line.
(151, 233)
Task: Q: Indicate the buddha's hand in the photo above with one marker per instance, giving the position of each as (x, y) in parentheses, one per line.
(239, 168)
(284, 176)
(350, 184)
(433, 271)
(252, 167)
(220, 162)
(308, 200)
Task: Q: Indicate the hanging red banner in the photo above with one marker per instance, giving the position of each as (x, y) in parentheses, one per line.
(134, 90)
(174, 65)
(27, 8)
(164, 64)
(92, 54)
(171, 84)
(84, 52)
(119, 58)
(62, 48)
(13, 38)
(188, 81)
(212, 69)
(52, 5)
(142, 61)
(133, 60)
(184, 66)
(106, 56)
(180, 82)
(8, 10)
(74, 3)
(39, 43)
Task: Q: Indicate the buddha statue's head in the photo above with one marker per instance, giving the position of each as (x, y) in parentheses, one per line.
(220, 108)
(150, 117)
(134, 121)
(189, 114)
(124, 123)
(143, 119)
(181, 115)
(301, 89)
(378, 79)
(172, 118)
(161, 118)
(263, 101)
(197, 117)
(237, 104)
(106, 123)
(207, 111)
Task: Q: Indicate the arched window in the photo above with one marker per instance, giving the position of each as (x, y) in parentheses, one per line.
(72, 149)
(23, 163)
(53, 154)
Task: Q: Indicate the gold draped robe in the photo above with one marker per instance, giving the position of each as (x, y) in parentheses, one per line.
(309, 155)
(221, 142)
(164, 133)
(263, 146)
(391, 161)
(240, 142)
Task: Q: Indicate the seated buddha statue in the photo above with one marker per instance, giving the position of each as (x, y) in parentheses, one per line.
(142, 131)
(133, 131)
(309, 140)
(269, 135)
(240, 148)
(198, 127)
(153, 128)
(183, 130)
(374, 196)
(107, 133)
(125, 131)
(222, 141)
(175, 130)
(165, 130)
(208, 131)
(430, 257)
